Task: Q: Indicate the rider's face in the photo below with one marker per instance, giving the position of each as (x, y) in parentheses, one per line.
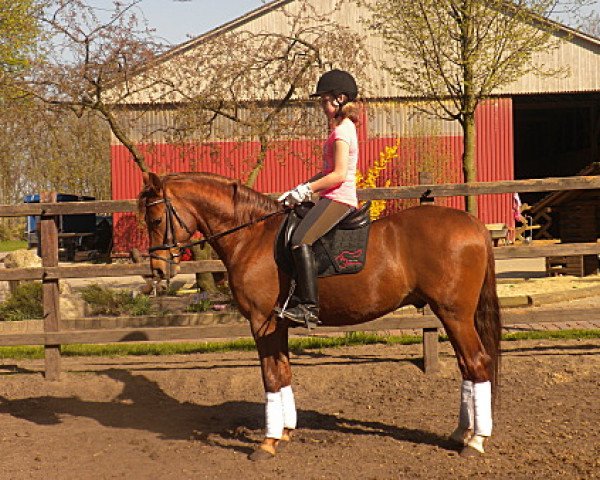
(329, 104)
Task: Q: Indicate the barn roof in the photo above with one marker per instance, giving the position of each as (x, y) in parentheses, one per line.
(577, 51)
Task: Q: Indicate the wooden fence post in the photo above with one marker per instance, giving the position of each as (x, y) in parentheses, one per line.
(48, 242)
(430, 335)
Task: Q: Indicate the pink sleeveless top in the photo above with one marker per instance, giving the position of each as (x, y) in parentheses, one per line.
(346, 192)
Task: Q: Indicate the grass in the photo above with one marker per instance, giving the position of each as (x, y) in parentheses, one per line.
(10, 245)
(297, 345)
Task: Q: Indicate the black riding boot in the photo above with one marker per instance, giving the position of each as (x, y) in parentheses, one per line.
(306, 311)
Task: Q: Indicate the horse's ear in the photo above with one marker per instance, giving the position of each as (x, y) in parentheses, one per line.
(235, 186)
(152, 182)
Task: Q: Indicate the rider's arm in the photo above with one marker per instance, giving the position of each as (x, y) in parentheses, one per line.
(341, 154)
(315, 177)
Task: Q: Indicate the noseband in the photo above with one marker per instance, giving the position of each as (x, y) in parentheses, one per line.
(169, 238)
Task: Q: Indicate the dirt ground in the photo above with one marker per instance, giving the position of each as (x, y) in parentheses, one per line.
(365, 412)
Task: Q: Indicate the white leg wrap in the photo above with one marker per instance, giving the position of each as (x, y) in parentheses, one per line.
(289, 408)
(274, 415)
(466, 416)
(482, 401)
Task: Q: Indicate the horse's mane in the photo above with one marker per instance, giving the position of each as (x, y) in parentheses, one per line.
(248, 203)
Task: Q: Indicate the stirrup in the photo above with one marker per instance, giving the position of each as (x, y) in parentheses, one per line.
(300, 315)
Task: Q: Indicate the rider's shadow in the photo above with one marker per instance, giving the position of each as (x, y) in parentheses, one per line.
(143, 405)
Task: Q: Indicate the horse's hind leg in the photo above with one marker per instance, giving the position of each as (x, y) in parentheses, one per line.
(475, 417)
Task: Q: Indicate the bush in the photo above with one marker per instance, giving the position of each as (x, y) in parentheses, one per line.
(12, 229)
(105, 301)
(24, 303)
(200, 306)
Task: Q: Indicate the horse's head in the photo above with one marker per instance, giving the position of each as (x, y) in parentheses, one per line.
(166, 216)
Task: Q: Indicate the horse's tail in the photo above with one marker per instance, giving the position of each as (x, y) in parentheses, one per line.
(487, 320)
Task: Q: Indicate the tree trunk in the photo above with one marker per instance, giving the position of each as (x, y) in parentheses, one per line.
(204, 281)
(468, 160)
(260, 162)
(119, 132)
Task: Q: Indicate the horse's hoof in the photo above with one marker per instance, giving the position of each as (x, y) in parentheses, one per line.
(283, 443)
(474, 447)
(262, 453)
(460, 438)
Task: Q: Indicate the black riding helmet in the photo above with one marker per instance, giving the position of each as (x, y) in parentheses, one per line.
(337, 82)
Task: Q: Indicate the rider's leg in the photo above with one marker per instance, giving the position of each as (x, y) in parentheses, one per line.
(319, 220)
(306, 297)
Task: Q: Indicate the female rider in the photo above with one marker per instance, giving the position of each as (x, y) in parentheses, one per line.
(335, 184)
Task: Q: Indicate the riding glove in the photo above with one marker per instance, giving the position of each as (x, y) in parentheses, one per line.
(296, 195)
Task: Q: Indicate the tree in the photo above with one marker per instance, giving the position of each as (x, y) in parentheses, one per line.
(246, 84)
(41, 149)
(459, 52)
(85, 52)
(590, 22)
(19, 30)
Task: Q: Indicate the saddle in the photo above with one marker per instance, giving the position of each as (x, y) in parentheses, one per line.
(340, 251)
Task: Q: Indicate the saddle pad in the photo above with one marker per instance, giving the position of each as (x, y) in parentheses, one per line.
(338, 252)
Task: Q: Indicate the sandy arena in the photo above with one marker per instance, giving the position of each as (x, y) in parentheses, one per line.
(365, 412)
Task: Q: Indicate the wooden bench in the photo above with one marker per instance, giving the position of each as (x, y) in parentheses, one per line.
(498, 231)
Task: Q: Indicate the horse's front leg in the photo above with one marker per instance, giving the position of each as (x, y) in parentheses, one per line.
(271, 339)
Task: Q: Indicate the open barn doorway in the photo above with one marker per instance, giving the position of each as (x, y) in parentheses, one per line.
(555, 135)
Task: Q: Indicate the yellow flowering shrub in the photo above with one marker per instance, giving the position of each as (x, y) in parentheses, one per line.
(370, 179)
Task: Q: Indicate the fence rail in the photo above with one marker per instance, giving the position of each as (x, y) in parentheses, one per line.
(201, 266)
(382, 193)
(50, 273)
(234, 325)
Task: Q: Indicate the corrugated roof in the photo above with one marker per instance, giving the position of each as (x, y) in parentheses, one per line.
(579, 52)
(268, 7)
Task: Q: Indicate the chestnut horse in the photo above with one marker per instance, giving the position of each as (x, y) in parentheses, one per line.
(423, 255)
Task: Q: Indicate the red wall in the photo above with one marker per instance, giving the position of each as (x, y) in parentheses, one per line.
(286, 166)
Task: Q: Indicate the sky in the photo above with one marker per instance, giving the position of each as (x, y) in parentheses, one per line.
(177, 21)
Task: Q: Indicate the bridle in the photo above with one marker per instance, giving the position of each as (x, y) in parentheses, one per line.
(169, 238)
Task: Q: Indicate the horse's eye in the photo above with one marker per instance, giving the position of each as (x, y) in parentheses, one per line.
(156, 222)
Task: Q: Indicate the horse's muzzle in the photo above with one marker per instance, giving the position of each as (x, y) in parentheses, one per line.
(163, 269)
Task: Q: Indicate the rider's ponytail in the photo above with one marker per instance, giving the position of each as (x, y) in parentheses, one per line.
(350, 110)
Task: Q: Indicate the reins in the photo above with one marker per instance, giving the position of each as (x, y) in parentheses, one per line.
(171, 212)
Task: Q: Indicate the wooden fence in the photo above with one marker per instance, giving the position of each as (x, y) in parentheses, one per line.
(58, 333)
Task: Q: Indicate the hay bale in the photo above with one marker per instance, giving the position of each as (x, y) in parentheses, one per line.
(22, 259)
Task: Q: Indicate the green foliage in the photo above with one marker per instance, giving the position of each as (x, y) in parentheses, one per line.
(139, 305)
(19, 32)
(106, 301)
(202, 305)
(25, 303)
(11, 245)
(12, 228)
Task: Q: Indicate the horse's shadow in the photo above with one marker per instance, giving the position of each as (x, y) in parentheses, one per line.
(143, 405)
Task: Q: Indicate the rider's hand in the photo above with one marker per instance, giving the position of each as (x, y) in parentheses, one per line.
(296, 195)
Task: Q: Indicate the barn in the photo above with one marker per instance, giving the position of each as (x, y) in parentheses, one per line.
(536, 127)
